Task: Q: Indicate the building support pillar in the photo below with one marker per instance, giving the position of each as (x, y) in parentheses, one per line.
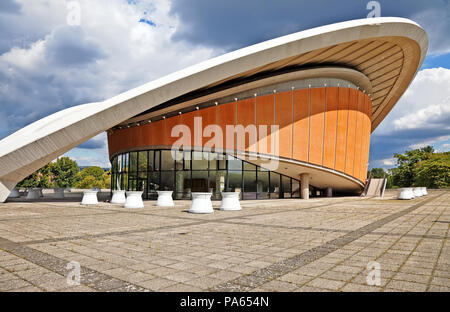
(329, 192)
(304, 177)
(6, 188)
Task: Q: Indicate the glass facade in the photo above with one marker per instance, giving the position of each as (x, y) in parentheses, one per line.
(185, 172)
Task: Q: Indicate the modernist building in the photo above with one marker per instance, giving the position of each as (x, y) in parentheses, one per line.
(319, 93)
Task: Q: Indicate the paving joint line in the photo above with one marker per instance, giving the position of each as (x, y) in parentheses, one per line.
(262, 276)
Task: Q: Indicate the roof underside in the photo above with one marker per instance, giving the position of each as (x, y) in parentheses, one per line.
(389, 63)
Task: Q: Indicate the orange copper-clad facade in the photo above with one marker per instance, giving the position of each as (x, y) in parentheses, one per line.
(327, 127)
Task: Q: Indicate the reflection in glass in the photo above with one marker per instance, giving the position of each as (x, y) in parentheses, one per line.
(249, 185)
(262, 188)
(286, 187)
(274, 185)
(167, 161)
(213, 173)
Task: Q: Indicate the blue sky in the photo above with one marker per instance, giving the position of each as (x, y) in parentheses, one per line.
(47, 65)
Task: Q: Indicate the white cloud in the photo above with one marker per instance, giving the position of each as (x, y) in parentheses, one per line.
(53, 65)
(426, 103)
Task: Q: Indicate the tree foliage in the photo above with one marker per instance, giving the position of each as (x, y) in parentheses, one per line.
(434, 172)
(405, 173)
(64, 171)
(93, 177)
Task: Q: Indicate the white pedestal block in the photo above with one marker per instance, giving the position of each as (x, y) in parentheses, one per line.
(405, 193)
(118, 197)
(89, 198)
(34, 193)
(424, 191)
(201, 203)
(14, 194)
(165, 199)
(230, 201)
(58, 192)
(134, 200)
(417, 191)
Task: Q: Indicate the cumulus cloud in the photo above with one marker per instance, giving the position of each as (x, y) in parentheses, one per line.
(47, 65)
(420, 118)
(235, 23)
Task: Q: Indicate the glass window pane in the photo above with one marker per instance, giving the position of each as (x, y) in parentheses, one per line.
(286, 187)
(133, 162)
(234, 163)
(222, 162)
(295, 188)
(125, 181)
(217, 182)
(183, 184)
(142, 167)
(179, 159)
(153, 184)
(157, 160)
(199, 181)
(132, 182)
(167, 182)
(234, 181)
(187, 160)
(274, 185)
(263, 185)
(167, 161)
(249, 166)
(151, 161)
(198, 161)
(212, 161)
(249, 185)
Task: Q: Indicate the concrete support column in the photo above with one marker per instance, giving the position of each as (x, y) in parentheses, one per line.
(304, 177)
(329, 192)
(5, 189)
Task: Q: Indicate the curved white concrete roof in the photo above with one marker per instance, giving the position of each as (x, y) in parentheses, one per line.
(403, 42)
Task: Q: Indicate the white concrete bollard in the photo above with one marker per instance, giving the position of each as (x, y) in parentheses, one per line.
(201, 203)
(118, 197)
(14, 194)
(405, 193)
(58, 192)
(134, 200)
(165, 199)
(230, 201)
(417, 191)
(34, 193)
(424, 191)
(89, 198)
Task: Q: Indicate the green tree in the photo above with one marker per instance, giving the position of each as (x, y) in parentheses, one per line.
(377, 173)
(89, 182)
(91, 177)
(404, 174)
(40, 178)
(64, 172)
(434, 172)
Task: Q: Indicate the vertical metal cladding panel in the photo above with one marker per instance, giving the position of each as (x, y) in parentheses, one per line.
(342, 124)
(351, 132)
(316, 126)
(265, 112)
(366, 137)
(331, 115)
(208, 116)
(187, 119)
(283, 118)
(169, 124)
(359, 135)
(246, 118)
(301, 125)
(226, 115)
(157, 133)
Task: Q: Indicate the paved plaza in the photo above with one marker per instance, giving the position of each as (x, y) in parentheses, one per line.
(320, 244)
